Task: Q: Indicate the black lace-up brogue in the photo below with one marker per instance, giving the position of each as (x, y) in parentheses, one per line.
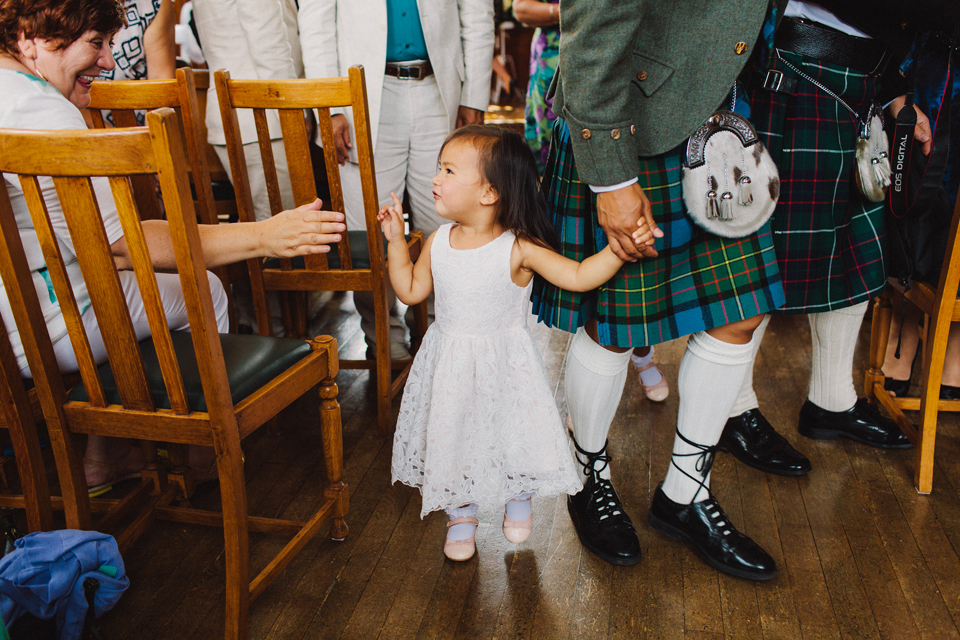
(602, 525)
(754, 442)
(863, 423)
(707, 529)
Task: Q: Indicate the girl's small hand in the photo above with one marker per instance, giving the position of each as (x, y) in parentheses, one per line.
(391, 220)
(643, 235)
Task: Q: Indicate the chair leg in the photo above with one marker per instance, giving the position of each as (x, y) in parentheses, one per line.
(935, 349)
(236, 537)
(384, 365)
(879, 334)
(330, 430)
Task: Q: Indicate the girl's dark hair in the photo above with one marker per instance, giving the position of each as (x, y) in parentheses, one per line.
(508, 166)
(60, 21)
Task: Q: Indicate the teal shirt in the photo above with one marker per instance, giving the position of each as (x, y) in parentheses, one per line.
(404, 32)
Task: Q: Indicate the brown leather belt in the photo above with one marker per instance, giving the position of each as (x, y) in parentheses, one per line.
(829, 45)
(409, 71)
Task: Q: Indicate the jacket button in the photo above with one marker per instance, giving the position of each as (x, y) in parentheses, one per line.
(615, 134)
(586, 134)
(740, 47)
(633, 129)
(642, 75)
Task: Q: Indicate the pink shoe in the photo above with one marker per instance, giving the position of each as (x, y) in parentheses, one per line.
(655, 392)
(517, 531)
(461, 550)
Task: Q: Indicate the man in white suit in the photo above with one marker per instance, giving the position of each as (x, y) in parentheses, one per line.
(427, 65)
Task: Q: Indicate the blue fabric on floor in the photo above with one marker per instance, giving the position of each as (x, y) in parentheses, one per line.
(44, 576)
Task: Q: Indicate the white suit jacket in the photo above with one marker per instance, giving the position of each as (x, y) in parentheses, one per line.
(254, 40)
(336, 34)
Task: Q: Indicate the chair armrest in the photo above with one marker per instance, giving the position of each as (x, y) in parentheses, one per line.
(415, 242)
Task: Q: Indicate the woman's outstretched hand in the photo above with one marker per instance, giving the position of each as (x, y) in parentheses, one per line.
(300, 231)
(391, 220)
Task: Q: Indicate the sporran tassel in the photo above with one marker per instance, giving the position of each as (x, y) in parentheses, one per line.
(746, 191)
(726, 206)
(880, 171)
(713, 207)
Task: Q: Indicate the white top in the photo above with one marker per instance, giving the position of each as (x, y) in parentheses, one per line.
(27, 102)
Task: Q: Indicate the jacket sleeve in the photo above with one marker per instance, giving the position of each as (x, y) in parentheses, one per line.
(477, 36)
(317, 21)
(596, 69)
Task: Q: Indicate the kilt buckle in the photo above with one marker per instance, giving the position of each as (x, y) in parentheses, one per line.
(775, 81)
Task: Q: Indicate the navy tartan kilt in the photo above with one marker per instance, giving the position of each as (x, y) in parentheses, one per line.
(699, 280)
(829, 239)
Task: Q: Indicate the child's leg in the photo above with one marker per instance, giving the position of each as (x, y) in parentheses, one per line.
(518, 518)
(464, 530)
(461, 531)
(651, 378)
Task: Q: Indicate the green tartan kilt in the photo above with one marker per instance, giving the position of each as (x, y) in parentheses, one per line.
(829, 239)
(697, 282)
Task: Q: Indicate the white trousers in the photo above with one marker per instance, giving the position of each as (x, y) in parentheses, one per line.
(174, 306)
(413, 126)
(255, 174)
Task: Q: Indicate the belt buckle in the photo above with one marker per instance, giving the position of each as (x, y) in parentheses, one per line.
(773, 80)
(409, 73)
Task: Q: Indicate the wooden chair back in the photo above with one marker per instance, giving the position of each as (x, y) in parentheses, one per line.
(289, 98)
(941, 307)
(144, 375)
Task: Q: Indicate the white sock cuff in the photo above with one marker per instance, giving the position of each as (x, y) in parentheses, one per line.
(466, 511)
(595, 358)
(706, 347)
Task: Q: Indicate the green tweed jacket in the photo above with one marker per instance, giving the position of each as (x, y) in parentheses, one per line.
(637, 77)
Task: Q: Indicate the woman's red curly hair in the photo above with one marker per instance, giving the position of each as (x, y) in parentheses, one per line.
(60, 21)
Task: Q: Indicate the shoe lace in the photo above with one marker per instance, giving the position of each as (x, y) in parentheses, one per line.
(605, 499)
(705, 456)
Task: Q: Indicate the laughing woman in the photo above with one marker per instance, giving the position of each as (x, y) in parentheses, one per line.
(50, 52)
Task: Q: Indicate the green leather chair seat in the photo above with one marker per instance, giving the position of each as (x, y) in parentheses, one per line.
(359, 252)
(251, 362)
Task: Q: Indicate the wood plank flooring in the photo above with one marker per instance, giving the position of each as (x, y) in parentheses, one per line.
(861, 554)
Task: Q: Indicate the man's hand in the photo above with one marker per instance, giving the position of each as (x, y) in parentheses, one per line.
(341, 137)
(467, 115)
(618, 213)
(921, 132)
(300, 231)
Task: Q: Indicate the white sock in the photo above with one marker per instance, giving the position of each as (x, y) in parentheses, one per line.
(593, 384)
(518, 508)
(834, 337)
(748, 399)
(463, 530)
(649, 376)
(711, 374)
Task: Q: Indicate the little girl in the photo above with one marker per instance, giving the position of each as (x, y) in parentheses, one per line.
(478, 424)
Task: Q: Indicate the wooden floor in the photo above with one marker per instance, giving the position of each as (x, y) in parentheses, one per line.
(861, 554)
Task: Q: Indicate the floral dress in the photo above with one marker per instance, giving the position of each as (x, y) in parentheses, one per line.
(544, 55)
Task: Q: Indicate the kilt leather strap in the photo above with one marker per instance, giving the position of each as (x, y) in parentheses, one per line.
(829, 45)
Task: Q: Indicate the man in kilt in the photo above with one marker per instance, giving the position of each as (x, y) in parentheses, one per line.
(829, 238)
(635, 79)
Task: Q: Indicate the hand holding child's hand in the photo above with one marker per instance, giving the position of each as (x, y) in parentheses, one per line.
(391, 220)
(643, 236)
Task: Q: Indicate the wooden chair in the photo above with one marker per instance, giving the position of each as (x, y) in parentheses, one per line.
(187, 97)
(941, 306)
(358, 264)
(199, 388)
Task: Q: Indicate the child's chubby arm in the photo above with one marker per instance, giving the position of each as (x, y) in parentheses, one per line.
(411, 282)
(529, 257)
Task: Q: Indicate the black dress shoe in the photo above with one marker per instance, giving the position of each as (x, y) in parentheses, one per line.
(708, 530)
(863, 423)
(754, 442)
(899, 388)
(602, 525)
(949, 393)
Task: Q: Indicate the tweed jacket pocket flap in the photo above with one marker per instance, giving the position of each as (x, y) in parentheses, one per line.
(650, 72)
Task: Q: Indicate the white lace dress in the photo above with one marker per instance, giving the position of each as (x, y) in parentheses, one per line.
(478, 422)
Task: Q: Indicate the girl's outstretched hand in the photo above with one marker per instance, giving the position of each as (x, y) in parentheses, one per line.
(391, 220)
(643, 235)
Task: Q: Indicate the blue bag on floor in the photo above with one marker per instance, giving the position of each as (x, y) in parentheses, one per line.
(44, 576)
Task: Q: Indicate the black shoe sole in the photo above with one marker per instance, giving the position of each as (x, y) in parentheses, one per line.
(678, 534)
(617, 560)
(775, 471)
(815, 433)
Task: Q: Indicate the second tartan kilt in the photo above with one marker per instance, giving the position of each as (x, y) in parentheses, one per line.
(829, 239)
(699, 280)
